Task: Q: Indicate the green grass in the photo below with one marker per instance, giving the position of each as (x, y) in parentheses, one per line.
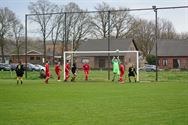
(93, 103)
(163, 76)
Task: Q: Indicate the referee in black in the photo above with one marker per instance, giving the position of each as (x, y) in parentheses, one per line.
(19, 72)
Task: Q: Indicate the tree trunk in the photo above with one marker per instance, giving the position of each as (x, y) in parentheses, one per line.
(53, 53)
(2, 54)
(62, 49)
(44, 41)
(18, 54)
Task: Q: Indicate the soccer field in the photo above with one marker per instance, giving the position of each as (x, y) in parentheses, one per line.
(91, 103)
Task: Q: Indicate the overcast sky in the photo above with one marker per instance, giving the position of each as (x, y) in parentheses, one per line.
(179, 17)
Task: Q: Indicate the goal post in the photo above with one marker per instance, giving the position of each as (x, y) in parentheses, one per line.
(101, 52)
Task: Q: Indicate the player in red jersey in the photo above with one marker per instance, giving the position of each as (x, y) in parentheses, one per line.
(67, 68)
(122, 71)
(58, 70)
(86, 69)
(47, 72)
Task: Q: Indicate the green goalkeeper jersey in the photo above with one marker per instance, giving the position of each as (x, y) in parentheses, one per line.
(116, 66)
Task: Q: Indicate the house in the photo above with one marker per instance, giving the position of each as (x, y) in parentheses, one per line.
(6, 57)
(100, 60)
(33, 56)
(59, 49)
(36, 57)
(172, 54)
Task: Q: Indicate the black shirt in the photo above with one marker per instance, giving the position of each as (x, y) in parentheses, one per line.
(19, 70)
(132, 71)
(74, 68)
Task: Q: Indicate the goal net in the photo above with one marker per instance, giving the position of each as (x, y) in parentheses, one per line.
(100, 63)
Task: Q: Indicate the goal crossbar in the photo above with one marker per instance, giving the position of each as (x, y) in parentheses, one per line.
(70, 52)
(90, 52)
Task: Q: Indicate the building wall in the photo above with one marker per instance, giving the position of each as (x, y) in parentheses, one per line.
(14, 58)
(7, 59)
(35, 59)
(80, 61)
(96, 62)
(59, 48)
(182, 62)
(130, 58)
(101, 62)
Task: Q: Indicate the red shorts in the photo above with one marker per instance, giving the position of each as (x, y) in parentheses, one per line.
(58, 73)
(47, 74)
(86, 72)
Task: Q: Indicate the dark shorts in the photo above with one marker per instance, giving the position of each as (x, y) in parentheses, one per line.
(19, 74)
(131, 74)
(73, 72)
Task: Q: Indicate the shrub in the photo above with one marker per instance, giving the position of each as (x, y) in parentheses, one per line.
(151, 59)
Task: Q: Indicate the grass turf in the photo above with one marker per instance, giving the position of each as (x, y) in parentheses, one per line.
(102, 75)
(91, 103)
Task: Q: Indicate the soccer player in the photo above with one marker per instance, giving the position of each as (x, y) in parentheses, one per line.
(122, 71)
(19, 72)
(47, 72)
(74, 70)
(115, 63)
(67, 68)
(132, 72)
(58, 71)
(86, 69)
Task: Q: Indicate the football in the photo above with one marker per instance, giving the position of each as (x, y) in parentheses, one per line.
(117, 50)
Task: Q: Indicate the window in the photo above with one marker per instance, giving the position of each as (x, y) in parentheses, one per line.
(176, 63)
(165, 62)
(32, 58)
(37, 58)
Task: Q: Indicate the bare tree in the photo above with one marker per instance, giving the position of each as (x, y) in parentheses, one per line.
(100, 21)
(17, 30)
(143, 34)
(6, 19)
(42, 7)
(57, 24)
(183, 35)
(166, 29)
(36, 44)
(78, 24)
(122, 23)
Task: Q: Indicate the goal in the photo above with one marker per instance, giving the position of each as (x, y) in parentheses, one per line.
(98, 60)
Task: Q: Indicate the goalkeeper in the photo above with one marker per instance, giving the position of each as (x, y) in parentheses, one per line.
(116, 71)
